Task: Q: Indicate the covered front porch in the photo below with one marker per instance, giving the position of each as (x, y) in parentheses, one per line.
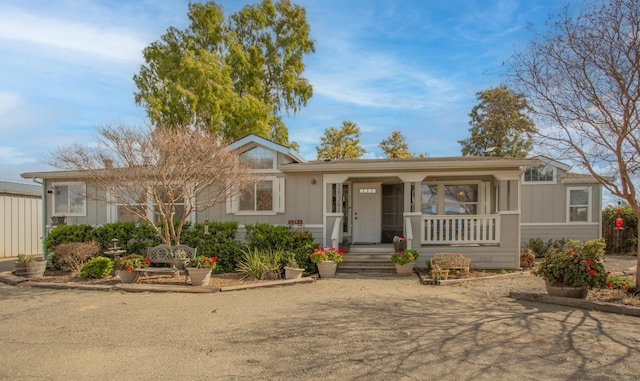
(476, 213)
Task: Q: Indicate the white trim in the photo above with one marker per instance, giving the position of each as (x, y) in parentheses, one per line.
(267, 144)
(552, 182)
(68, 212)
(589, 204)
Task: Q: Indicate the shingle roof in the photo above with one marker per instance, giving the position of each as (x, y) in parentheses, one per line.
(9, 187)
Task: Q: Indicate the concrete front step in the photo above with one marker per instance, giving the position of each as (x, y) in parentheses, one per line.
(367, 262)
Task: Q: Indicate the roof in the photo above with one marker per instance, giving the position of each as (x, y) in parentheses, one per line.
(9, 187)
(440, 163)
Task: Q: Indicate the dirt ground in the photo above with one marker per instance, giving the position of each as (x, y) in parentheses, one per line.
(355, 328)
(616, 264)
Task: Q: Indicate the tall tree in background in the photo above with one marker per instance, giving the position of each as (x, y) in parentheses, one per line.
(583, 80)
(170, 167)
(342, 143)
(395, 147)
(500, 125)
(230, 77)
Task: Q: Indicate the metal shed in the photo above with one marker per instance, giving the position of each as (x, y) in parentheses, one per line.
(20, 219)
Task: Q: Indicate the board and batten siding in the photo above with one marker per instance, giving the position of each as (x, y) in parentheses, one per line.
(21, 230)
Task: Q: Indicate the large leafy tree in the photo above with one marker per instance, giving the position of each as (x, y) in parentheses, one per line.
(180, 171)
(341, 143)
(395, 146)
(582, 77)
(500, 125)
(231, 77)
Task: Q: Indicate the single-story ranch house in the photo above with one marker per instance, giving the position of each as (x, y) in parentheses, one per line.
(483, 207)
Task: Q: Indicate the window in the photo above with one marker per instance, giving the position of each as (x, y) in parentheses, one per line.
(461, 199)
(134, 200)
(450, 199)
(258, 198)
(265, 197)
(579, 200)
(69, 199)
(540, 174)
(429, 199)
(258, 158)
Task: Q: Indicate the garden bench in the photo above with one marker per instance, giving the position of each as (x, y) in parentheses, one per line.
(450, 261)
(164, 254)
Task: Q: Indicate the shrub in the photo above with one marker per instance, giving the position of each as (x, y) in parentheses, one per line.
(97, 268)
(73, 256)
(618, 283)
(130, 262)
(538, 247)
(301, 243)
(67, 234)
(133, 238)
(220, 243)
(527, 258)
(266, 236)
(579, 264)
(262, 264)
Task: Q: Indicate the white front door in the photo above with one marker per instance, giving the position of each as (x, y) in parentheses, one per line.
(367, 201)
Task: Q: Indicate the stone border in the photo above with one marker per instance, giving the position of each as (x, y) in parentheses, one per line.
(578, 303)
(8, 278)
(426, 279)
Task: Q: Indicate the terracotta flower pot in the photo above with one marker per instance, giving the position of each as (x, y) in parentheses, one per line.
(327, 269)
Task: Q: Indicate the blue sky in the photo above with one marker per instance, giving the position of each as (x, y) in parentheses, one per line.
(412, 65)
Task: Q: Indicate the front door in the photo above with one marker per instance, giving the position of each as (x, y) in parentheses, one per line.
(367, 202)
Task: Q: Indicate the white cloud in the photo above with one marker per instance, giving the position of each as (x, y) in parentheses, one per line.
(105, 41)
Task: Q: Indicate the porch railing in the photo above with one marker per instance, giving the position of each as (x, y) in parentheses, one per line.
(467, 229)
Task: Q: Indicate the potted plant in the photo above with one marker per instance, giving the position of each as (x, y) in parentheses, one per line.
(199, 269)
(292, 270)
(345, 245)
(405, 260)
(327, 261)
(180, 259)
(27, 266)
(125, 267)
(574, 269)
(399, 243)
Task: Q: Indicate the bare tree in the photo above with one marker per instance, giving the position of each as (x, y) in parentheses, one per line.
(179, 171)
(582, 78)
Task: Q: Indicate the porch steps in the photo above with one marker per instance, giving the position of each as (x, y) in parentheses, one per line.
(367, 261)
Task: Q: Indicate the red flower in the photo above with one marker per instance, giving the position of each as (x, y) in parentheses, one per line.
(589, 261)
(609, 285)
(592, 272)
(213, 260)
(128, 269)
(608, 272)
(571, 252)
(148, 260)
(623, 284)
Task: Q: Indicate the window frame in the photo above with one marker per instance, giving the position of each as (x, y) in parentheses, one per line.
(278, 203)
(441, 202)
(54, 198)
(589, 204)
(554, 175)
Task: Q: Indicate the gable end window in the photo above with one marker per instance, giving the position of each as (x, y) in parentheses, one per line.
(579, 202)
(69, 199)
(258, 158)
(540, 174)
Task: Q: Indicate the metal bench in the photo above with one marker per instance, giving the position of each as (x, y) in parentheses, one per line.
(164, 254)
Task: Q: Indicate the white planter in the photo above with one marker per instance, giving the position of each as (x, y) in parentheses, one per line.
(406, 269)
(292, 273)
(327, 269)
(199, 277)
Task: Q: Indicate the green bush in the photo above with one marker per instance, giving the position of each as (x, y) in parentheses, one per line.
(220, 243)
(266, 236)
(538, 246)
(620, 241)
(133, 238)
(97, 268)
(67, 234)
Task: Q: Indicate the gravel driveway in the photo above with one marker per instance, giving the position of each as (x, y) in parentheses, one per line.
(332, 329)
